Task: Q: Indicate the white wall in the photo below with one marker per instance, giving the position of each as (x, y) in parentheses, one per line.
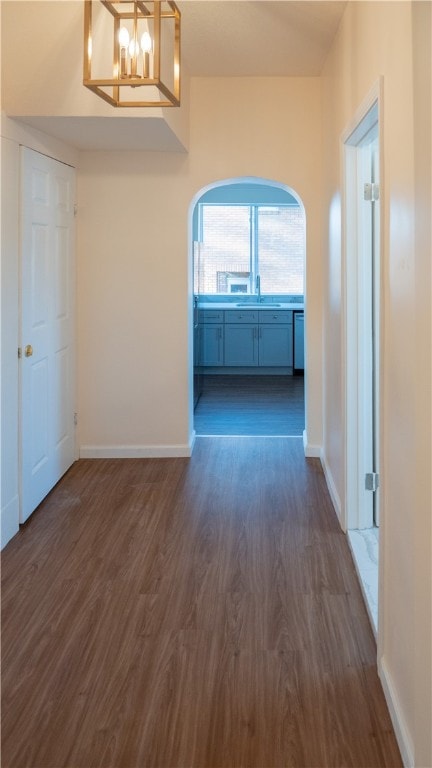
(12, 135)
(390, 39)
(133, 284)
(132, 303)
(270, 128)
(43, 71)
(422, 103)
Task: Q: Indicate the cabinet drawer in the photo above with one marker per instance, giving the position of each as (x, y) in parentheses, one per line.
(211, 316)
(239, 316)
(278, 316)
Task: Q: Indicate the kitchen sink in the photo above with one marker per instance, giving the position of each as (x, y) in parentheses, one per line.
(255, 305)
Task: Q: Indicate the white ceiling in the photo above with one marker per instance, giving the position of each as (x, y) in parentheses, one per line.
(240, 38)
(110, 133)
(219, 38)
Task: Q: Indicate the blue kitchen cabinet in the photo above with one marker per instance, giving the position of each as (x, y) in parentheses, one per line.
(212, 344)
(275, 338)
(241, 344)
(212, 341)
(276, 345)
(247, 338)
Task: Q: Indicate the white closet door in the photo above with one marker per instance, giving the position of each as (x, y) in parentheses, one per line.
(47, 326)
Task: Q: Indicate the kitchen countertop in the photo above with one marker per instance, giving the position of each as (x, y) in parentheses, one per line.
(264, 305)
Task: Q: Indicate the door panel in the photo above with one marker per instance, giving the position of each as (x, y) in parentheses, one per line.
(275, 345)
(212, 345)
(47, 334)
(38, 414)
(241, 345)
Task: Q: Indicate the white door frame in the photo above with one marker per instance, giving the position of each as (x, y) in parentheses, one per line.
(46, 416)
(356, 514)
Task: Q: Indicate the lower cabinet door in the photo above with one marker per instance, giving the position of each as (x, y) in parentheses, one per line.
(276, 345)
(241, 344)
(212, 345)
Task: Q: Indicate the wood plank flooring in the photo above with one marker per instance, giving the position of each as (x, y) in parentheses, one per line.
(251, 405)
(201, 613)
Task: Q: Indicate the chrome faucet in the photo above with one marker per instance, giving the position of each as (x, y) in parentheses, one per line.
(258, 287)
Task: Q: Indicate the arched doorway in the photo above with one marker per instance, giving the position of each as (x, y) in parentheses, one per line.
(248, 254)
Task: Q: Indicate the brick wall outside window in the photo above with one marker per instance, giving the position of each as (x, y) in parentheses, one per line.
(228, 250)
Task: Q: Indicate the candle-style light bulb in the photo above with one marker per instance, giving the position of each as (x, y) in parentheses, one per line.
(133, 48)
(146, 43)
(123, 42)
(146, 47)
(123, 37)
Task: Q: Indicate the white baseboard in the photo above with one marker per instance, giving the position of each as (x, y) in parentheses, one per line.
(354, 555)
(9, 521)
(310, 451)
(399, 725)
(332, 489)
(134, 451)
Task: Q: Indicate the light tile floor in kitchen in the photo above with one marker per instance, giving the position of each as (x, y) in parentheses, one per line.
(364, 545)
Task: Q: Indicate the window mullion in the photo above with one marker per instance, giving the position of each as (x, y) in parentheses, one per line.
(254, 246)
(251, 248)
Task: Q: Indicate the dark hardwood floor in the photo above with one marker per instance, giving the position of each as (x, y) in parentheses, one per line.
(251, 405)
(201, 613)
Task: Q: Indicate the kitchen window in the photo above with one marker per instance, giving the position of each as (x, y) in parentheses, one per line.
(240, 242)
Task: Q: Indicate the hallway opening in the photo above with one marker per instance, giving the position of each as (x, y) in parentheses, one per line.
(248, 256)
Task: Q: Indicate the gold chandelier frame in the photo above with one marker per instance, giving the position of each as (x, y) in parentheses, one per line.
(143, 10)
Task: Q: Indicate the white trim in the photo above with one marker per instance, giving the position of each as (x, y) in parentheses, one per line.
(351, 135)
(331, 485)
(311, 451)
(135, 451)
(373, 621)
(260, 180)
(9, 521)
(399, 724)
(368, 114)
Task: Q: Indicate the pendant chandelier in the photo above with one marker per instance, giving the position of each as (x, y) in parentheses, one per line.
(132, 52)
